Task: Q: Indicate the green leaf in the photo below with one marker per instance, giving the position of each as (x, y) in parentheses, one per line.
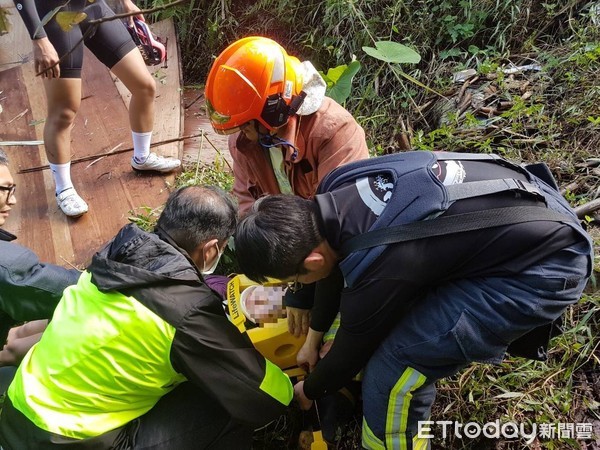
(335, 73)
(473, 49)
(342, 77)
(450, 53)
(393, 52)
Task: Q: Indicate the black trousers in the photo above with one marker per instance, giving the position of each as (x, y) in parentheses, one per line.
(185, 419)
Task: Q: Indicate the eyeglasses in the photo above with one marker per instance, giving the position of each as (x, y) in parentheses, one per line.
(10, 191)
(295, 285)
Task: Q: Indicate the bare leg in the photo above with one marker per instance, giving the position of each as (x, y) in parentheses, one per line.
(132, 71)
(134, 74)
(63, 98)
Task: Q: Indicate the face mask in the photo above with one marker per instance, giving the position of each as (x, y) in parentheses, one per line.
(212, 268)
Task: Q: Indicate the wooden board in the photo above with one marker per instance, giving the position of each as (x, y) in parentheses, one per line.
(15, 47)
(210, 146)
(109, 185)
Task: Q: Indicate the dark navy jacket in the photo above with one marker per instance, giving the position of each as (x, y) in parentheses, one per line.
(405, 271)
(29, 289)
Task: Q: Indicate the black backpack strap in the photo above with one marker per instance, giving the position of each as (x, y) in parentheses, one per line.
(485, 187)
(451, 224)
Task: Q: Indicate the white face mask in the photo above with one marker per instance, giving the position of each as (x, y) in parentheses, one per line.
(212, 268)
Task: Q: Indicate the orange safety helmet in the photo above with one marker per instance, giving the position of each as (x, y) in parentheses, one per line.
(253, 79)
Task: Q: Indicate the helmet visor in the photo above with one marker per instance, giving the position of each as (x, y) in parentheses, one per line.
(217, 119)
(228, 131)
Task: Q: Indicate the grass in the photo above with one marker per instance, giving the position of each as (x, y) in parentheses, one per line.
(562, 390)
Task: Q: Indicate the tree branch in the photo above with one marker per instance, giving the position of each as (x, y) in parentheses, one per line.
(136, 13)
(112, 152)
(94, 23)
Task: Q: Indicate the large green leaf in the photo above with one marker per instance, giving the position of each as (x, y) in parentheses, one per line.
(48, 17)
(339, 81)
(393, 52)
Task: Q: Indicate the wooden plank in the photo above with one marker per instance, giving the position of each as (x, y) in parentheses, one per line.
(109, 185)
(28, 219)
(211, 146)
(15, 46)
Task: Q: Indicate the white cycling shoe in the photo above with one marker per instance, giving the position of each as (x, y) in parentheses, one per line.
(71, 203)
(156, 163)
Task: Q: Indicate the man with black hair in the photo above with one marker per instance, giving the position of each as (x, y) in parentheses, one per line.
(140, 354)
(415, 310)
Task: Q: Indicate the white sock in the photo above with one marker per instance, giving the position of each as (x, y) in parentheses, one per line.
(141, 145)
(62, 176)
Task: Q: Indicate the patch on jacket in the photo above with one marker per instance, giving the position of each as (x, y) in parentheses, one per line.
(305, 166)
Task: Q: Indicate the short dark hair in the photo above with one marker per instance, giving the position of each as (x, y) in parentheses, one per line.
(276, 236)
(3, 158)
(196, 214)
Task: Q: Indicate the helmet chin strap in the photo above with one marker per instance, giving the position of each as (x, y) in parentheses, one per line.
(267, 141)
(296, 103)
(276, 111)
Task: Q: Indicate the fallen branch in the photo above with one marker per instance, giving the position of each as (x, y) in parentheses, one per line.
(20, 143)
(588, 208)
(136, 13)
(113, 152)
(94, 23)
(571, 187)
(204, 136)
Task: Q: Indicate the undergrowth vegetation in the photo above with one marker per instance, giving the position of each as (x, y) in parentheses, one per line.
(516, 77)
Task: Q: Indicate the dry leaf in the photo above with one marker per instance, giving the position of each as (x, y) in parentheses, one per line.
(68, 19)
(5, 24)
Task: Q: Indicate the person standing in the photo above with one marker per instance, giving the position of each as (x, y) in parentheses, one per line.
(112, 44)
(285, 134)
